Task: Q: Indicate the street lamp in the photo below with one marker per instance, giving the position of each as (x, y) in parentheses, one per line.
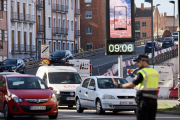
(86, 23)
(157, 18)
(173, 2)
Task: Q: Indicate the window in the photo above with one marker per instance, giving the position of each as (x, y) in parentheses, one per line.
(137, 25)
(143, 23)
(59, 23)
(2, 35)
(87, 1)
(143, 34)
(54, 46)
(49, 2)
(1, 5)
(92, 83)
(68, 3)
(68, 24)
(72, 26)
(88, 14)
(85, 83)
(137, 35)
(68, 46)
(72, 4)
(49, 21)
(89, 30)
(59, 44)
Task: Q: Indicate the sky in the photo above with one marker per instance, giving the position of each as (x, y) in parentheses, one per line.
(164, 7)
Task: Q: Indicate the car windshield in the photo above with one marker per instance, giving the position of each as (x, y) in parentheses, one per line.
(59, 54)
(10, 62)
(26, 83)
(64, 78)
(167, 39)
(175, 33)
(107, 83)
(149, 44)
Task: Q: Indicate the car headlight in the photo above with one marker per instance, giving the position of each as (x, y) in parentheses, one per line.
(57, 92)
(13, 67)
(16, 98)
(53, 98)
(63, 59)
(108, 97)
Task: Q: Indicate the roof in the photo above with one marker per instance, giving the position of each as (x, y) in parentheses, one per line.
(58, 68)
(145, 13)
(169, 21)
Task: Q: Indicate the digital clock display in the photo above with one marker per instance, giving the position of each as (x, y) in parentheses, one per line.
(118, 48)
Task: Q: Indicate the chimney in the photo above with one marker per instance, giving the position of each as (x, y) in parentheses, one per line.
(165, 14)
(142, 6)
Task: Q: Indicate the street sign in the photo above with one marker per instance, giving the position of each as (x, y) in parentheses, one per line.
(45, 51)
(120, 29)
(45, 62)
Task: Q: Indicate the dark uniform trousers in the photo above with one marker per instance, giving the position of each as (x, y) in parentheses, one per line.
(146, 109)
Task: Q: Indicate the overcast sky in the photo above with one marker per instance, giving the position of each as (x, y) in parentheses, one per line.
(164, 7)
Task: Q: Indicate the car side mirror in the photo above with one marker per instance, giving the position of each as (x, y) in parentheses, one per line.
(1, 89)
(51, 88)
(91, 88)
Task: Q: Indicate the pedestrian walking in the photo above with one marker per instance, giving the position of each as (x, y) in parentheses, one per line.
(146, 83)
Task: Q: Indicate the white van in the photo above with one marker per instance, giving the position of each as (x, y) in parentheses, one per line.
(83, 67)
(63, 79)
(165, 75)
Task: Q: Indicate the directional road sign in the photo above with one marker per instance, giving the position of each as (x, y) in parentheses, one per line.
(45, 51)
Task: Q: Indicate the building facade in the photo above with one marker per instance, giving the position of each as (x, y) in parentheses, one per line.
(169, 23)
(3, 30)
(62, 25)
(143, 22)
(95, 23)
(21, 24)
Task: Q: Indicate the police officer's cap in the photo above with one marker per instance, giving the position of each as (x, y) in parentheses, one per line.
(141, 57)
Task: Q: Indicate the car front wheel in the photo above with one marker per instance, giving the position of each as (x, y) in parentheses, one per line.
(7, 114)
(99, 109)
(78, 106)
(53, 116)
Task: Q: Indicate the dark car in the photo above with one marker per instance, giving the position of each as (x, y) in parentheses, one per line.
(13, 65)
(148, 47)
(61, 56)
(168, 42)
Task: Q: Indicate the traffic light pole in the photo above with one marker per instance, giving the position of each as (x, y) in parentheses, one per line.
(44, 20)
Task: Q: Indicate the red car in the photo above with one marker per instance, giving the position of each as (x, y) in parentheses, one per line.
(26, 95)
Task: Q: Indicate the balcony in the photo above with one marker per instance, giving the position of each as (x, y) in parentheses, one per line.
(40, 28)
(77, 12)
(39, 5)
(1, 14)
(33, 49)
(32, 19)
(14, 16)
(27, 18)
(64, 31)
(21, 17)
(56, 8)
(64, 9)
(28, 49)
(77, 33)
(15, 48)
(57, 31)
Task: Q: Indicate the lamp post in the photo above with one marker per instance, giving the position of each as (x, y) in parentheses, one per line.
(157, 18)
(44, 20)
(173, 2)
(86, 23)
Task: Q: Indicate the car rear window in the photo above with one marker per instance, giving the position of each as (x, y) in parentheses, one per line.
(175, 34)
(167, 39)
(107, 83)
(149, 44)
(26, 83)
(59, 54)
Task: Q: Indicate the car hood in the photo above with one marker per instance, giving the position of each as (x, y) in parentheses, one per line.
(64, 87)
(118, 92)
(32, 94)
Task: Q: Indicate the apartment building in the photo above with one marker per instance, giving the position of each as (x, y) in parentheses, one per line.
(95, 17)
(62, 25)
(3, 31)
(169, 23)
(21, 28)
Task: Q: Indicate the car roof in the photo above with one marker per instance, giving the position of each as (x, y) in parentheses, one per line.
(8, 73)
(105, 76)
(20, 75)
(58, 69)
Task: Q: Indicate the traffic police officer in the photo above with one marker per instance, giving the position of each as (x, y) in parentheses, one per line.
(146, 83)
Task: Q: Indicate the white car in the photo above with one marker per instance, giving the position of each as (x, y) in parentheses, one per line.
(100, 93)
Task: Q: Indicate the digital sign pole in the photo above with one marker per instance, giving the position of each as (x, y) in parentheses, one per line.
(120, 30)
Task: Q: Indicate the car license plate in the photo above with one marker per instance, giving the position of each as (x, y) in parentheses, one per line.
(70, 98)
(167, 42)
(126, 103)
(5, 71)
(38, 108)
(149, 47)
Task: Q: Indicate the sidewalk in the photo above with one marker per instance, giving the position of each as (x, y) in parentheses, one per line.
(165, 106)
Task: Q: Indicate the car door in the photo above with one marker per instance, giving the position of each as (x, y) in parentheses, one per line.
(83, 92)
(91, 93)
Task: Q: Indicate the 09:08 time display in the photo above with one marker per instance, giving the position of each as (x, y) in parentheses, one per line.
(121, 48)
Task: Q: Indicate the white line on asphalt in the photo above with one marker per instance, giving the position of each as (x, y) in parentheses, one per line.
(115, 60)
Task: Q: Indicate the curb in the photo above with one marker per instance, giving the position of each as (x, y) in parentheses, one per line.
(168, 112)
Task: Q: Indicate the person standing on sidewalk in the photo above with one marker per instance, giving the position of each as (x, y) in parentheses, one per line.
(146, 83)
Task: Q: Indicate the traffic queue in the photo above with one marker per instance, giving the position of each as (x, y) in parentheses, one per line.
(62, 85)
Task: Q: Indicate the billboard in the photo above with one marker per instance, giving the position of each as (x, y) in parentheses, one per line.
(119, 28)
